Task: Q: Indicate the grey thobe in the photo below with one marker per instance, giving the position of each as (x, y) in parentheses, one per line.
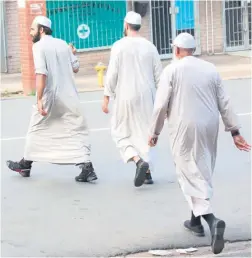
(62, 135)
(133, 74)
(192, 95)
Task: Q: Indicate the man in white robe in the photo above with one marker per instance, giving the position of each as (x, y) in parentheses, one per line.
(132, 77)
(58, 131)
(192, 95)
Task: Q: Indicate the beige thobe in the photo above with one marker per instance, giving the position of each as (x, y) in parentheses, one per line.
(132, 77)
(192, 95)
(61, 136)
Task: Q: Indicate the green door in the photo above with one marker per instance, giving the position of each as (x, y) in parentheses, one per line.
(87, 24)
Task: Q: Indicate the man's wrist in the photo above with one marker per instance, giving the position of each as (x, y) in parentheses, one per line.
(235, 133)
(106, 98)
(39, 100)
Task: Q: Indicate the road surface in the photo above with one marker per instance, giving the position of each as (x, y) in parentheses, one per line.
(49, 214)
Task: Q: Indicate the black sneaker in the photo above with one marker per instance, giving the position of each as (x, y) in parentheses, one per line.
(148, 179)
(217, 233)
(142, 168)
(87, 173)
(196, 230)
(22, 167)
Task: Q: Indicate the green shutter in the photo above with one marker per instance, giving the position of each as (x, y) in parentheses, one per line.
(87, 24)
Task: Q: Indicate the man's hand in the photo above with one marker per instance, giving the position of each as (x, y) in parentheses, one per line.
(105, 104)
(40, 108)
(105, 107)
(73, 48)
(241, 144)
(153, 141)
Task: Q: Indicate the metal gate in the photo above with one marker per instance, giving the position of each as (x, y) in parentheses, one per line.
(237, 15)
(168, 19)
(89, 25)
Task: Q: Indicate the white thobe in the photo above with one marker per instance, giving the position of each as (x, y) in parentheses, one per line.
(192, 95)
(133, 74)
(61, 136)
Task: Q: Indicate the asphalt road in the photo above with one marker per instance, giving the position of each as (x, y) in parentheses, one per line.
(50, 214)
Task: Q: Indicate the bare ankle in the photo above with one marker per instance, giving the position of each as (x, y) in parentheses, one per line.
(136, 159)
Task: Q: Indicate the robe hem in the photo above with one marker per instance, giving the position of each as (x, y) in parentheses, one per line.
(59, 161)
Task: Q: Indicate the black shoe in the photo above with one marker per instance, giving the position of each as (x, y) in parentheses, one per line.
(196, 230)
(142, 168)
(87, 173)
(217, 232)
(148, 179)
(21, 167)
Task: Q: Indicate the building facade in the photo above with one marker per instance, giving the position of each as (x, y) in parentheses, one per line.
(10, 50)
(93, 26)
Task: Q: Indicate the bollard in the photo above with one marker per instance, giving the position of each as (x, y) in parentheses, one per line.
(100, 68)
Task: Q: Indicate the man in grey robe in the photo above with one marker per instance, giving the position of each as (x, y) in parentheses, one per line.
(192, 95)
(132, 76)
(58, 131)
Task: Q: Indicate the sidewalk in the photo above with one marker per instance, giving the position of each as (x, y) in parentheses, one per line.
(238, 249)
(229, 66)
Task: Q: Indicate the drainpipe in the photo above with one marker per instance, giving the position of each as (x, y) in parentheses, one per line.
(212, 31)
(213, 45)
(4, 34)
(212, 19)
(207, 46)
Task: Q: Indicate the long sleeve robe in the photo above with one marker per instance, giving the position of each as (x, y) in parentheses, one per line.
(132, 77)
(192, 95)
(62, 135)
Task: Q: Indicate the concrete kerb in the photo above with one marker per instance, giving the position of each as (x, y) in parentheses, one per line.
(203, 250)
(230, 68)
(19, 94)
(236, 78)
(90, 90)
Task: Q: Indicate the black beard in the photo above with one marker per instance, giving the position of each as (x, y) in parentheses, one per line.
(36, 38)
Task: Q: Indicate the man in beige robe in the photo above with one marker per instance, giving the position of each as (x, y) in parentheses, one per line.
(132, 77)
(192, 95)
(58, 131)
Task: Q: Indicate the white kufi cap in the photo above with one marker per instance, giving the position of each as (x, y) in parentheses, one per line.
(42, 20)
(184, 40)
(133, 18)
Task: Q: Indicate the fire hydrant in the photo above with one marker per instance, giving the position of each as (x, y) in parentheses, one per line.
(100, 68)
